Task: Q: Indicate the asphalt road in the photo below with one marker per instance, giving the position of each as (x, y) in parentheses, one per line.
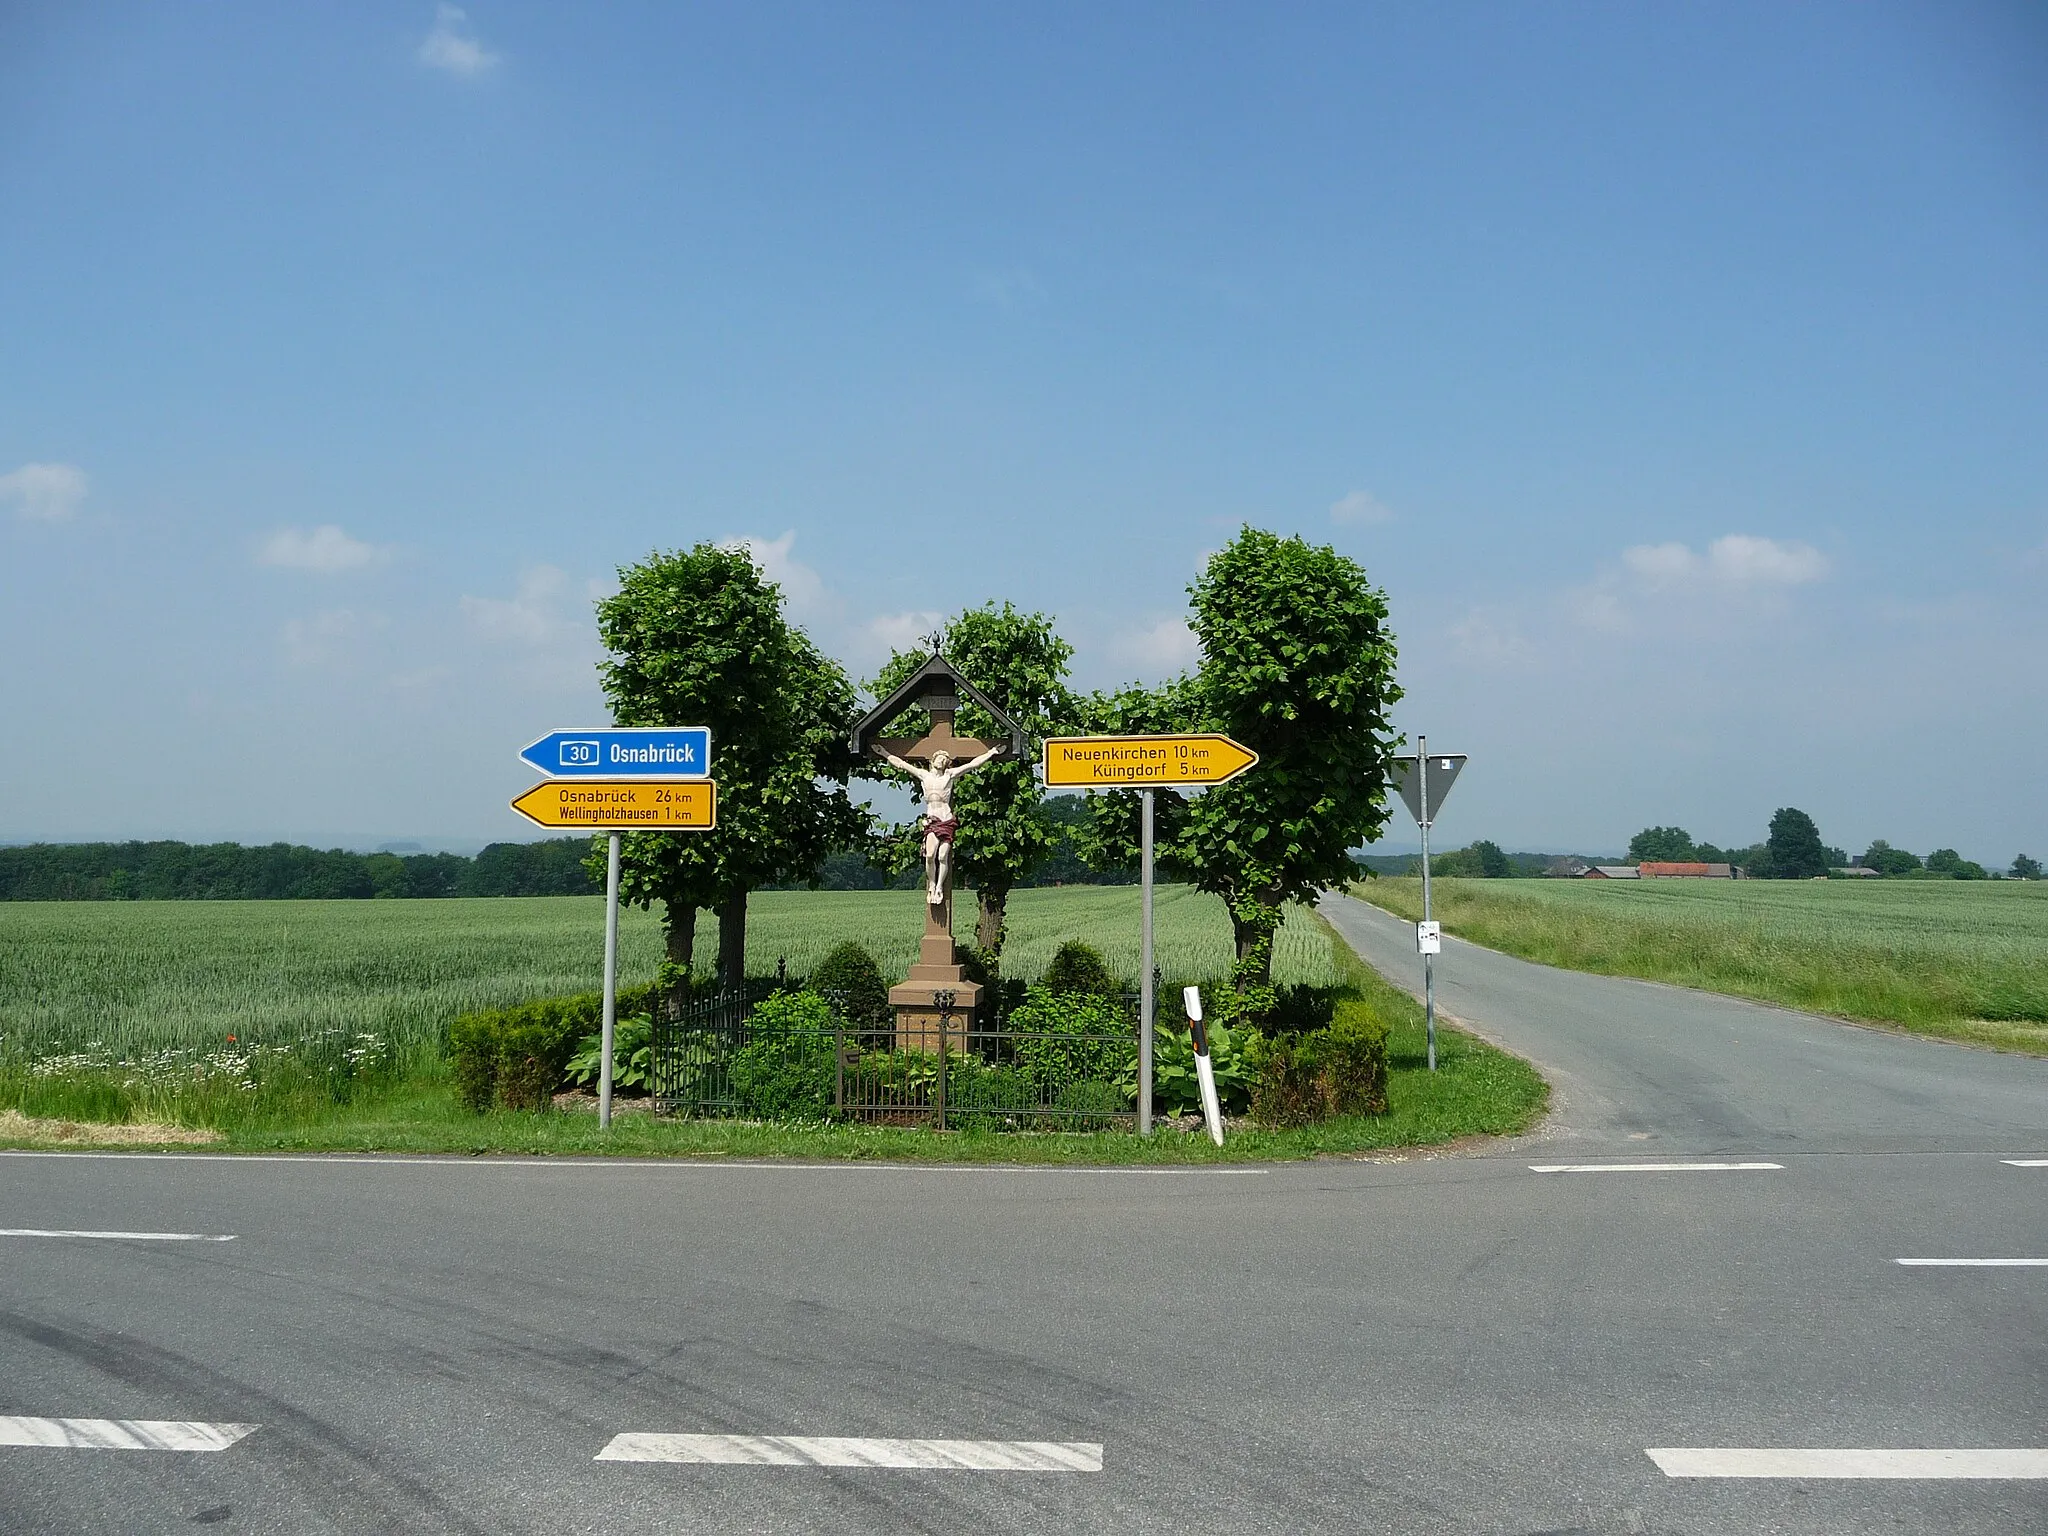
(1448, 1343)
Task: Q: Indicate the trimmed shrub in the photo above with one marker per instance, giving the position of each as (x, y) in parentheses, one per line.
(518, 1058)
(785, 1071)
(1338, 1070)
(1079, 968)
(850, 978)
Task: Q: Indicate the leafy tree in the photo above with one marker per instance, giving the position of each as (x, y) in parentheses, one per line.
(1021, 665)
(1662, 844)
(698, 637)
(1298, 664)
(1887, 860)
(1946, 861)
(2024, 868)
(1793, 849)
(1493, 864)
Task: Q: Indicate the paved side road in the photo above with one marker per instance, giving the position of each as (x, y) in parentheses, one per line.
(1636, 1062)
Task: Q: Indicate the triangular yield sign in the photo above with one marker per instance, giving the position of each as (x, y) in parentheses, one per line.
(1443, 772)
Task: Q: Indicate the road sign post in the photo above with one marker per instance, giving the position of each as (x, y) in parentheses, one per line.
(1412, 778)
(613, 779)
(1196, 760)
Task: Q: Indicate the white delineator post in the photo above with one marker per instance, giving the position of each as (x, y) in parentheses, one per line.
(1428, 959)
(611, 980)
(1205, 1068)
(1145, 998)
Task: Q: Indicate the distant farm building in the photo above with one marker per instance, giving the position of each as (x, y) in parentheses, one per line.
(1660, 869)
(1611, 872)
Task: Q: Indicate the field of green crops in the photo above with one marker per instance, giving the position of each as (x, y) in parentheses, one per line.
(381, 979)
(1963, 959)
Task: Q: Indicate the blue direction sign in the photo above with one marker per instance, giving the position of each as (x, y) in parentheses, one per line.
(624, 752)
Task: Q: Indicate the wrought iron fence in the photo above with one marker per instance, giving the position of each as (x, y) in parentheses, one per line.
(714, 1056)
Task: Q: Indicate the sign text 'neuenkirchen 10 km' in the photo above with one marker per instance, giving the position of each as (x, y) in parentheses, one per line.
(1143, 762)
(622, 805)
(623, 752)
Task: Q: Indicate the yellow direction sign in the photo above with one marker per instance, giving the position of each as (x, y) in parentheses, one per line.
(622, 805)
(1117, 762)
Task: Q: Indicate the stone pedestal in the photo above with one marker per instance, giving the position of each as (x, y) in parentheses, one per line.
(938, 969)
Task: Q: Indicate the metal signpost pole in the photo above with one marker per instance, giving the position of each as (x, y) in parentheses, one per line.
(611, 979)
(1428, 960)
(1145, 998)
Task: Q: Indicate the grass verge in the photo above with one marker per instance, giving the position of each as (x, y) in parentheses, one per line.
(1964, 961)
(1477, 1090)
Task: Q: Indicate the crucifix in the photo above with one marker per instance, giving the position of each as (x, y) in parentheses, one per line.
(937, 760)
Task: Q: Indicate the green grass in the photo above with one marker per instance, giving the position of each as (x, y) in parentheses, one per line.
(160, 987)
(1960, 959)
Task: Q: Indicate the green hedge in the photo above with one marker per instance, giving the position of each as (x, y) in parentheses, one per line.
(516, 1058)
(1321, 1074)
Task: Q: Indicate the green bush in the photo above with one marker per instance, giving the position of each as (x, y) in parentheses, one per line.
(786, 1069)
(1079, 968)
(1054, 1027)
(987, 1097)
(1089, 1105)
(517, 1058)
(1321, 1074)
(851, 979)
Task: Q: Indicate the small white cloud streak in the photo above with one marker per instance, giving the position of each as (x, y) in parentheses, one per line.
(1737, 559)
(802, 588)
(325, 549)
(532, 617)
(1360, 509)
(44, 493)
(324, 637)
(453, 47)
(1168, 646)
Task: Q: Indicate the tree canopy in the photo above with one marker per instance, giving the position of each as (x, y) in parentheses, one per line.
(1794, 848)
(1297, 664)
(698, 637)
(1662, 844)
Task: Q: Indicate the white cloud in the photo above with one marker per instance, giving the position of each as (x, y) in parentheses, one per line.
(1168, 646)
(893, 632)
(454, 47)
(1008, 288)
(533, 616)
(325, 549)
(802, 588)
(1738, 559)
(1360, 508)
(324, 637)
(44, 492)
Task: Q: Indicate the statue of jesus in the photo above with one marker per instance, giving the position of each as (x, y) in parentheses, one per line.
(936, 783)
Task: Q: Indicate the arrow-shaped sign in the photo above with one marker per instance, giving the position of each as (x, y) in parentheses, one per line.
(1143, 762)
(623, 752)
(622, 805)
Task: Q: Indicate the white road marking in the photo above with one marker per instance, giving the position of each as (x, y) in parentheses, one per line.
(1726, 1461)
(1649, 1167)
(1973, 1263)
(128, 1237)
(2026, 1162)
(841, 1451)
(122, 1434)
(682, 1162)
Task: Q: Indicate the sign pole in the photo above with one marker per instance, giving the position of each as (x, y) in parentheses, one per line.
(611, 980)
(1428, 960)
(1145, 998)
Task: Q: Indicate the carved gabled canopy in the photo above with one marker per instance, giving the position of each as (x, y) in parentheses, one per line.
(938, 686)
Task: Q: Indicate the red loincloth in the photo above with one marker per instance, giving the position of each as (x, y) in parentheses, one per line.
(943, 830)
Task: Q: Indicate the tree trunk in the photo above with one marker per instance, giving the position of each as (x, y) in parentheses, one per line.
(732, 940)
(1253, 923)
(991, 918)
(679, 928)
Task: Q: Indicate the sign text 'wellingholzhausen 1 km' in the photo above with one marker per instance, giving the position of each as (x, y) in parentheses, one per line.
(1144, 762)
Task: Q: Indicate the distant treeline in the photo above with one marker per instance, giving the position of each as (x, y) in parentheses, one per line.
(284, 872)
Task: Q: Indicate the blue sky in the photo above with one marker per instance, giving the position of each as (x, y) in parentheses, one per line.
(1680, 371)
